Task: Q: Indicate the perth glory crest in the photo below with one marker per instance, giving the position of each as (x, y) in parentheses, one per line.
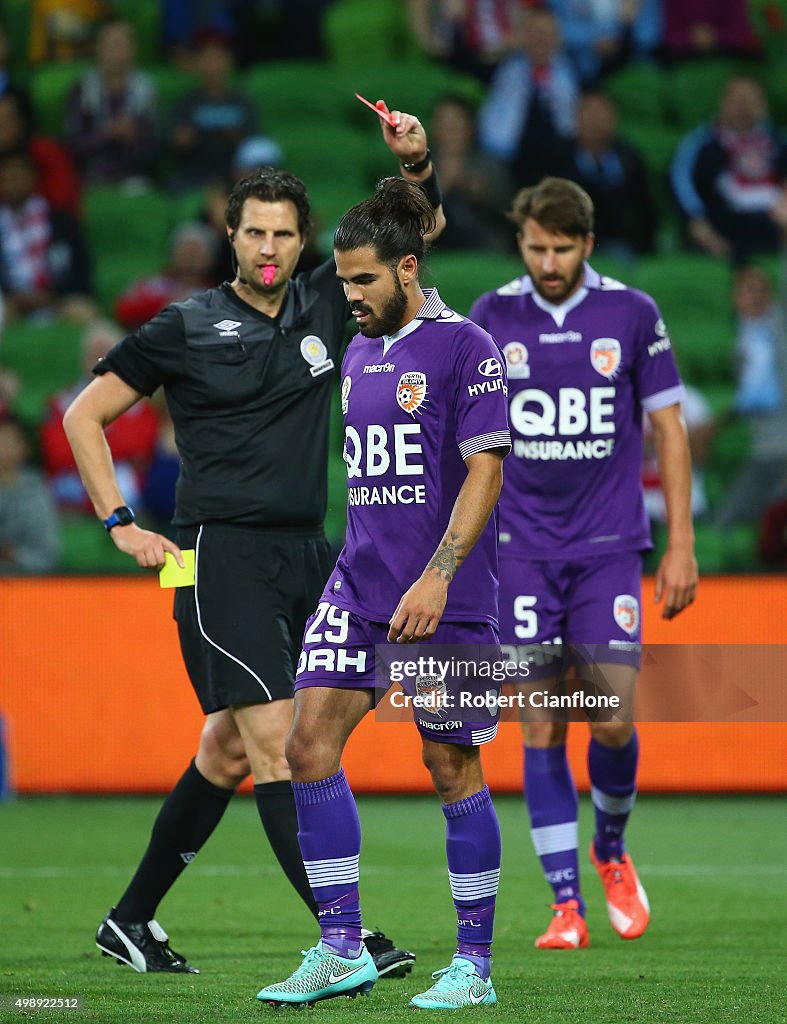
(411, 391)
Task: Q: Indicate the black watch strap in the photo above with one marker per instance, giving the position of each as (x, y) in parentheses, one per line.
(122, 516)
(419, 165)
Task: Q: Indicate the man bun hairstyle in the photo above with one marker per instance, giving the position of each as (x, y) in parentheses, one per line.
(393, 221)
(270, 185)
(556, 204)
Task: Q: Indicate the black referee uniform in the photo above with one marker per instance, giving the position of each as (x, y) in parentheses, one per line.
(249, 397)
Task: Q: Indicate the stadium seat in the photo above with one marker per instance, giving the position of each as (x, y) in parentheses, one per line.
(693, 293)
(128, 233)
(146, 21)
(730, 450)
(187, 205)
(331, 160)
(726, 551)
(49, 88)
(171, 83)
(716, 551)
(609, 266)
(693, 89)
(769, 18)
(639, 92)
(46, 356)
(358, 33)
(85, 547)
(462, 276)
(291, 94)
(656, 142)
(15, 15)
(414, 86)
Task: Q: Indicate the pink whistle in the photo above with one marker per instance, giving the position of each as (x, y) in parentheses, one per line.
(381, 113)
(268, 274)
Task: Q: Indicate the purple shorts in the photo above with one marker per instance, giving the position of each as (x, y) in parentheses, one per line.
(590, 607)
(343, 650)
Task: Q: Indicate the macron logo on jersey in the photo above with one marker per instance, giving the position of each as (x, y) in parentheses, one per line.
(228, 328)
(560, 338)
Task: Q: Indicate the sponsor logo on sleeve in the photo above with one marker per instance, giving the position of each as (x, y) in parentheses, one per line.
(315, 353)
(490, 368)
(411, 392)
(605, 354)
(347, 383)
(662, 342)
(626, 610)
(516, 360)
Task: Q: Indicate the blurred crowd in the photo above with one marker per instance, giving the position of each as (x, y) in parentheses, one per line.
(551, 87)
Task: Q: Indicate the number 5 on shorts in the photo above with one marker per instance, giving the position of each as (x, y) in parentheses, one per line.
(526, 616)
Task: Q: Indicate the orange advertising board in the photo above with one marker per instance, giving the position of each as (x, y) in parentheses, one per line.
(95, 697)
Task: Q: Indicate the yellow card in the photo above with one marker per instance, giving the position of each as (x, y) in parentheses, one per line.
(172, 575)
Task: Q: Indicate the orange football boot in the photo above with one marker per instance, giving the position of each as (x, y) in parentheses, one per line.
(627, 901)
(567, 929)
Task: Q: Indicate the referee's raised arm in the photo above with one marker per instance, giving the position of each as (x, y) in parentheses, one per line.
(406, 139)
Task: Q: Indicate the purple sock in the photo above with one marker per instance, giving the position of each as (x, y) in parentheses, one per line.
(551, 798)
(472, 845)
(329, 834)
(613, 781)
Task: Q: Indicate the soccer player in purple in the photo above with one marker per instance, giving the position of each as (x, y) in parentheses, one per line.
(585, 355)
(426, 430)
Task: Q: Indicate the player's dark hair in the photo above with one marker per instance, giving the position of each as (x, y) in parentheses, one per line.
(393, 222)
(270, 185)
(557, 204)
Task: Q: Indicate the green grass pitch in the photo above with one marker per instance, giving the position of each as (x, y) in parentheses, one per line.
(715, 869)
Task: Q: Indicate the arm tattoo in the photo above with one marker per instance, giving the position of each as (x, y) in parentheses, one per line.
(448, 557)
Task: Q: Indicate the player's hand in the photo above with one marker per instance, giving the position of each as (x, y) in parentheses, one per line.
(407, 141)
(417, 615)
(146, 547)
(676, 581)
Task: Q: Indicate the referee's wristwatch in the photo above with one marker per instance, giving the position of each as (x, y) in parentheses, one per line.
(122, 516)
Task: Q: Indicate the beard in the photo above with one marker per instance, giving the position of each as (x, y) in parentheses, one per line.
(391, 316)
(558, 295)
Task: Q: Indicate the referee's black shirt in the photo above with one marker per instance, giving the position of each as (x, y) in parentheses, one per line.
(249, 397)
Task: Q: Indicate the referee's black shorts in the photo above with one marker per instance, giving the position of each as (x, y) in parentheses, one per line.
(242, 623)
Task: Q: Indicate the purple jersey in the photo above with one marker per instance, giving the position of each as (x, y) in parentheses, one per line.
(580, 375)
(416, 405)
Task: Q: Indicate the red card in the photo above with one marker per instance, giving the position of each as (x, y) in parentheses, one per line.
(382, 113)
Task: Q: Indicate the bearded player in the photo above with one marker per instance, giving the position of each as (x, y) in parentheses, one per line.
(585, 356)
(425, 434)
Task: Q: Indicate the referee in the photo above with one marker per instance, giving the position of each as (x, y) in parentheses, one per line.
(247, 370)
